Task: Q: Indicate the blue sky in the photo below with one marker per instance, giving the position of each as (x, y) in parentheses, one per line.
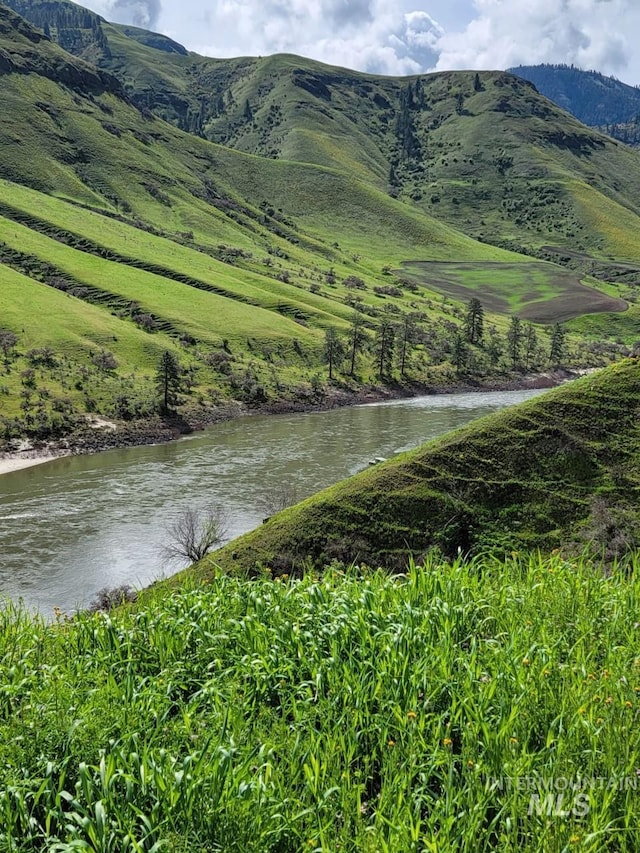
(402, 36)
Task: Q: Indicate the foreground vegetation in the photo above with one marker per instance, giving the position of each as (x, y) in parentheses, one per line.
(353, 711)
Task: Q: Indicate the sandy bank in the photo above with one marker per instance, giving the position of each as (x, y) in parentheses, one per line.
(17, 462)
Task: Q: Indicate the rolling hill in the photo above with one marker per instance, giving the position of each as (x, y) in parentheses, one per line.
(334, 193)
(483, 152)
(561, 470)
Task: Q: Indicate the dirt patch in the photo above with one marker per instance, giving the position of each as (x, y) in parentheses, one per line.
(544, 294)
(566, 307)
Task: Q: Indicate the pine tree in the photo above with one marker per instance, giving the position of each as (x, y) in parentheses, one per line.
(357, 339)
(495, 347)
(514, 340)
(530, 344)
(168, 381)
(333, 349)
(407, 334)
(474, 321)
(385, 339)
(558, 345)
(460, 353)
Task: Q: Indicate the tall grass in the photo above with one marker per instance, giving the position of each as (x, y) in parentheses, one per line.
(433, 711)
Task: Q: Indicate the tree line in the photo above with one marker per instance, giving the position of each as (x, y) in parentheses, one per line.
(392, 344)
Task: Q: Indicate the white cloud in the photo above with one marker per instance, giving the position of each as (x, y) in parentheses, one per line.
(141, 13)
(587, 33)
(371, 35)
(395, 37)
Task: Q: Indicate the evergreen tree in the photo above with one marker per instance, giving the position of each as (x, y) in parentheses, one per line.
(460, 353)
(474, 321)
(530, 344)
(495, 347)
(477, 83)
(357, 339)
(405, 127)
(385, 339)
(514, 341)
(558, 345)
(333, 349)
(168, 381)
(407, 335)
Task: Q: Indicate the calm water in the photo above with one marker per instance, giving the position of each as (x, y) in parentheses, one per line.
(75, 525)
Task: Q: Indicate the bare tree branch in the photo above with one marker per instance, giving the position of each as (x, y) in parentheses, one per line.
(194, 533)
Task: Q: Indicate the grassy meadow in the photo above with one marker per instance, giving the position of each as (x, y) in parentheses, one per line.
(430, 711)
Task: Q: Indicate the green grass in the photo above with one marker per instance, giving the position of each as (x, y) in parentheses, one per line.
(101, 190)
(559, 470)
(352, 712)
(539, 292)
(70, 325)
(206, 316)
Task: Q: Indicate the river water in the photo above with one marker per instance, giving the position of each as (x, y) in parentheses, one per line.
(75, 525)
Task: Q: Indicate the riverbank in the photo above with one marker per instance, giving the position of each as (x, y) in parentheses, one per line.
(97, 434)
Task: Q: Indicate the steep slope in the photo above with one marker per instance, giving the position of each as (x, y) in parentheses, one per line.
(484, 152)
(227, 260)
(213, 249)
(594, 99)
(562, 468)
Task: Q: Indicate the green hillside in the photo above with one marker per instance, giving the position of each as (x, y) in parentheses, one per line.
(562, 470)
(238, 259)
(484, 152)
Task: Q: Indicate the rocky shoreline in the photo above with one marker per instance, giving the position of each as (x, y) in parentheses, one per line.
(100, 434)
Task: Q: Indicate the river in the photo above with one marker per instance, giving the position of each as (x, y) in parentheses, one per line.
(75, 525)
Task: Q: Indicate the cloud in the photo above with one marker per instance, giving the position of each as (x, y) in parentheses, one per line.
(587, 33)
(400, 36)
(370, 35)
(140, 13)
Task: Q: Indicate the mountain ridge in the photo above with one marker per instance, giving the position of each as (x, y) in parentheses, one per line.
(595, 99)
(152, 223)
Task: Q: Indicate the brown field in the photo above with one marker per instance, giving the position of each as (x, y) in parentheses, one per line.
(536, 291)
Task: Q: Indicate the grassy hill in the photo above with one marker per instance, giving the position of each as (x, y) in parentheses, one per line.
(560, 470)
(237, 258)
(484, 152)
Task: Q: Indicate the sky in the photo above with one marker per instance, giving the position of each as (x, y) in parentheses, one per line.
(401, 36)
